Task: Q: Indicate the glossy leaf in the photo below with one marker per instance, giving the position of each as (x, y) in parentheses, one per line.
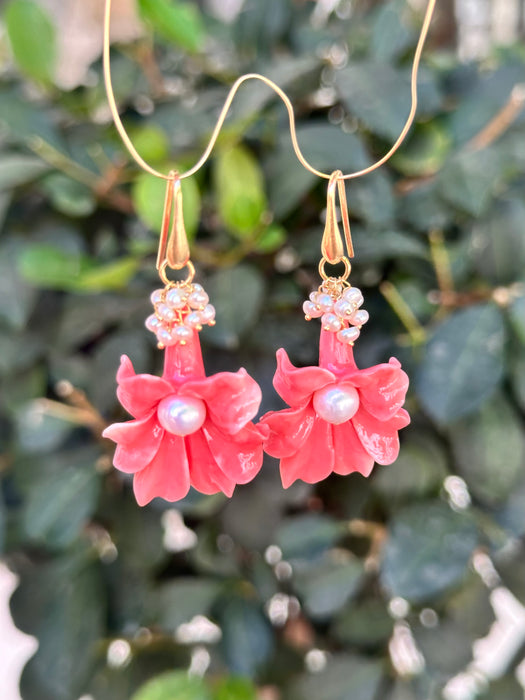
(169, 686)
(32, 38)
(463, 364)
(176, 21)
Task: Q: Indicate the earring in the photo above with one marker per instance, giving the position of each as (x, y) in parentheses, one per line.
(187, 429)
(341, 419)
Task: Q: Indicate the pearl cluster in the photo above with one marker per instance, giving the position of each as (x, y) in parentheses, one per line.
(180, 309)
(337, 305)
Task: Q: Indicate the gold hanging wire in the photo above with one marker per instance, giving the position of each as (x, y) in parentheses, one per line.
(287, 103)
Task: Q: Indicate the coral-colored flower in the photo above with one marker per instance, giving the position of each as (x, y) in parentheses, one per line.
(342, 419)
(189, 429)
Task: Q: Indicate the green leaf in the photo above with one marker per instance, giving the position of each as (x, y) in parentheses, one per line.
(463, 363)
(247, 637)
(235, 689)
(237, 295)
(180, 600)
(470, 179)
(175, 685)
(178, 22)
(63, 604)
(427, 551)
(327, 586)
(148, 195)
(113, 275)
(18, 170)
(17, 298)
(271, 239)
(33, 39)
(425, 151)
(307, 536)
(390, 34)
(367, 625)
(517, 318)
(239, 188)
(419, 471)
(489, 449)
(497, 243)
(345, 677)
(59, 504)
(151, 142)
(48, 266)
(68, 196)
(37, 431)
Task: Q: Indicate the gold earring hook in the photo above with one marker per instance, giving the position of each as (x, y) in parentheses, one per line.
(332, 246)
(229, 99)
(174, 249)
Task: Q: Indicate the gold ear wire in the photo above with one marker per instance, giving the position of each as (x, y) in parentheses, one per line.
(174, 249)
(332, 246)
(229, 99)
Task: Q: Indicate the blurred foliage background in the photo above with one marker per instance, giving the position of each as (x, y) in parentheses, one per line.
(350, 590)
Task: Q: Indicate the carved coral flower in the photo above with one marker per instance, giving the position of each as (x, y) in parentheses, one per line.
(341, 419)
(188, 429)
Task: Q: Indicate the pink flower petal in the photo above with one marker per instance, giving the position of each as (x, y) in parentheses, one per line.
(137, 442)
(335, 356)
(350, 455)
(314, 460)
(239, 456)
(296, 386)
(382, 388)
(289, 428)
(232, 399)
(182, 361)
(205, 474)
(379, 438)
(167, 475)
(139, 394)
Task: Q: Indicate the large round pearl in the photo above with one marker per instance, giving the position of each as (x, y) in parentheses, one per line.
(336, 403)
(181, 415)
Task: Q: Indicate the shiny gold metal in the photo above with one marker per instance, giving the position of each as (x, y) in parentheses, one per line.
(229, 99)
(341, 278)
(189, 277)
(332, 246)
(174, 250)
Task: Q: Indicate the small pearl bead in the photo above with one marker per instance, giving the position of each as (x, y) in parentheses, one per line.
(325, 302)
(193, 320)
(165, 312)
(181, 415)
(197, 287)
(354, 296)
(165, 337)
(313, 297)
(336, 403)
(156, 296)
(311, 309)
(358, 318)
(331, 322)
(176, 298)
(349, 335)
(153, 323)
(207, 314)
(198, 299)
(182, 333)
(343, 308)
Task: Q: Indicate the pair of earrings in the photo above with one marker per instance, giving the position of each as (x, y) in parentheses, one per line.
(192, 430)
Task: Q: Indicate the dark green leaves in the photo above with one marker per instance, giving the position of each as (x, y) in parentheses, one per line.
(32, 38)
(175, 20)
(169, 686)
(463, 363)
(428, 551)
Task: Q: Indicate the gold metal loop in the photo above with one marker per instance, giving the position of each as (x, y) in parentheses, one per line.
(284, 97)
(189, 279)
(343, 277)
(332, 246)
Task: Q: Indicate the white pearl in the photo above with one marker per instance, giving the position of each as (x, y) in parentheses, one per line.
(358, 318)
(354, 296)
(193, 320)
(311, 309)
(153, 323)
(336, 403)
(198, 299)
(331, 322)
(313, 297)
(182, 334)
(197, 287)
(207, 314)
(325, 302)
(165, 312)
(176, 298)
(343, 308)
(165, 337)
(156, 296)
(181, 415)
(349, 335)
